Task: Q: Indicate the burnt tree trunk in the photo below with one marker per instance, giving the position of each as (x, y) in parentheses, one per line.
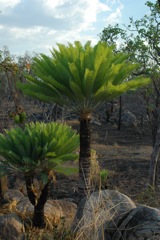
(154, 161)
(85, 157)
(155, 124)
(38, 216)
(155, 112)
(120, 113)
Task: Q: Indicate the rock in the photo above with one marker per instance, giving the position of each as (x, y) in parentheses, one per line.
(11, 227)
(128, 119)
(100, 208)
(141, 223)
(54, 210)
(69, 210)
(13, 195)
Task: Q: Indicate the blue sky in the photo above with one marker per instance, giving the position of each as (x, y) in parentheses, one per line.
(37, 25)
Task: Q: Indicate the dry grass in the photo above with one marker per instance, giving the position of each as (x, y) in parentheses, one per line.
(149, 197)
(52, 231)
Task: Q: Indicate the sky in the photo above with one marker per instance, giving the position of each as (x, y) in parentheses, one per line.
(37, 25)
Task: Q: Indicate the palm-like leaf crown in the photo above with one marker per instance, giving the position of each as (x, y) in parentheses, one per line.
(81, 76)
(39, 146)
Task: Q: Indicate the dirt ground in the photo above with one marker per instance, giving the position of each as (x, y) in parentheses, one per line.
(125, 154)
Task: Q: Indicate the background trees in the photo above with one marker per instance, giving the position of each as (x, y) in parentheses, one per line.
(80, 78)
(141, 39)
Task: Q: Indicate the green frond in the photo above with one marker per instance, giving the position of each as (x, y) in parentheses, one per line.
(88, 83)
(77, 92)
(123, 73)
(75, 73)
(120, 58)
(38, 146)
(113, 91)
(80, 76)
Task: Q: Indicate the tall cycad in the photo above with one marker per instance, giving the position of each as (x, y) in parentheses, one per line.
(36, 151)
(80, 78)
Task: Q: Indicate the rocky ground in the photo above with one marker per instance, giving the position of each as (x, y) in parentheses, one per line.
(124, 153)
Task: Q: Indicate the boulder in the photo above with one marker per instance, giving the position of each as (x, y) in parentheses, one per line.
(128, 119)
(99, 208)
(11, 227)
(141, 223)
(54, 210)
(13, 195)
(110, 215)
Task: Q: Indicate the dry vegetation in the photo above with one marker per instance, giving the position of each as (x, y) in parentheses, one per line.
(125, 156)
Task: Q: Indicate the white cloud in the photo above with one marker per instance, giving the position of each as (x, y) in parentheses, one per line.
(37, 24)
(81, 13)
(5, 5)
(115, 15)
(21, 33)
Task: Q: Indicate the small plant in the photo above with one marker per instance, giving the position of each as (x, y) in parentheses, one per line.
(19, 116)
(103, 178)
(98, 177)
(37, 150)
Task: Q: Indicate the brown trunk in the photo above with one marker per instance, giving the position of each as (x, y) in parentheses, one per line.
(154, 160)
(84, 158)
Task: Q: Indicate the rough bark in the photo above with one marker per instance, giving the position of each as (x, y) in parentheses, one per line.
(85, 157)
(30, 192)
(155, 112)
(155, 125)
(38, 216)
(154, 160)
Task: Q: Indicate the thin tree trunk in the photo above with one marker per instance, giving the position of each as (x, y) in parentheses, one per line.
(38, 216)
(155, 124)
(155, 113)
(120, 112)
(154, 160)
(29, 187)
(84, 158)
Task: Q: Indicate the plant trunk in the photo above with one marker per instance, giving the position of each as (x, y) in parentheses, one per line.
(154, 160)
(120, 113)
(85, 157)
(155, 114)
(29, 187)
(155, 128)
(38, 216)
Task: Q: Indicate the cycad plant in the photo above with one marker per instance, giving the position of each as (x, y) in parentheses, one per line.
(80, 78)
(36, 151)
